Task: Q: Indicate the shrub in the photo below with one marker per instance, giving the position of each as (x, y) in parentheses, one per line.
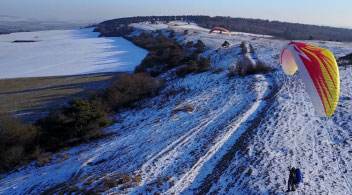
(85, 116)
(194, 65)
(131, 88)
(204, 64)
(246, 67)
(193, 56)
(225, 44)
(175, 57)
(158, 32)
(189, 44)
(164, 53)
(261, 67)
(200, 47)
(80, 119)
(232, 70)
(244, 44)
(190, 67)
(172, 34)
(246, 47)
(16, 141)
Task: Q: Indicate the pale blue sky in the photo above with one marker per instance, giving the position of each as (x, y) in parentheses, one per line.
(321, 12)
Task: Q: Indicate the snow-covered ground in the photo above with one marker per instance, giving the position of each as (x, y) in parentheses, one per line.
(65, 52)
(240, 137)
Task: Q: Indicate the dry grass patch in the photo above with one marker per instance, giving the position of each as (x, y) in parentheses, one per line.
(126, 186)
(186, 108)
(36, 95)
(159, 183)
(44, 159)
(83, 150)
(109, 183)
(167, 178)
(67, 156)
(219, 70)
(126, 178)
(123, 178)
(137, 179)
(90, 181)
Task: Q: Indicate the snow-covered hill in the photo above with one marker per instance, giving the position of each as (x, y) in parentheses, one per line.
(208, 133)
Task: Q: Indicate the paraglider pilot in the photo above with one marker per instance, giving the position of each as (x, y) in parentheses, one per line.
(291, 179)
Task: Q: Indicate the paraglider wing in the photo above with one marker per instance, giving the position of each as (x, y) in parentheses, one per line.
(319, 72)
(221, 29)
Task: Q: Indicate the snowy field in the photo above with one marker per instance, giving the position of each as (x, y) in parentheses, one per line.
(65, 52)
(240, 138)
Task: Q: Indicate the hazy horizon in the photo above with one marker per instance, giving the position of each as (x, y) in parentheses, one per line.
(315, 12)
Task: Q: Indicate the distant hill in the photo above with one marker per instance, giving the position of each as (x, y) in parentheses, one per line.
(285, 30)
(11, 24)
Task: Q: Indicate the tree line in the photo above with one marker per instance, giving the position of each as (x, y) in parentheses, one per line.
(285, 30)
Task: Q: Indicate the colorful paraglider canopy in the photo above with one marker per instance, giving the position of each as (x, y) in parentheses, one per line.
(220, 29)
(319, 72)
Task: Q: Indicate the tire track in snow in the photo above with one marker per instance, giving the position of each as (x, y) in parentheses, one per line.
(223, 155)
(188, 178)
(223, 170)
(150, 169)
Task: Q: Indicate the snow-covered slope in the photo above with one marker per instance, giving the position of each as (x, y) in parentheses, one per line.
(65, 52)
(239, 138)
